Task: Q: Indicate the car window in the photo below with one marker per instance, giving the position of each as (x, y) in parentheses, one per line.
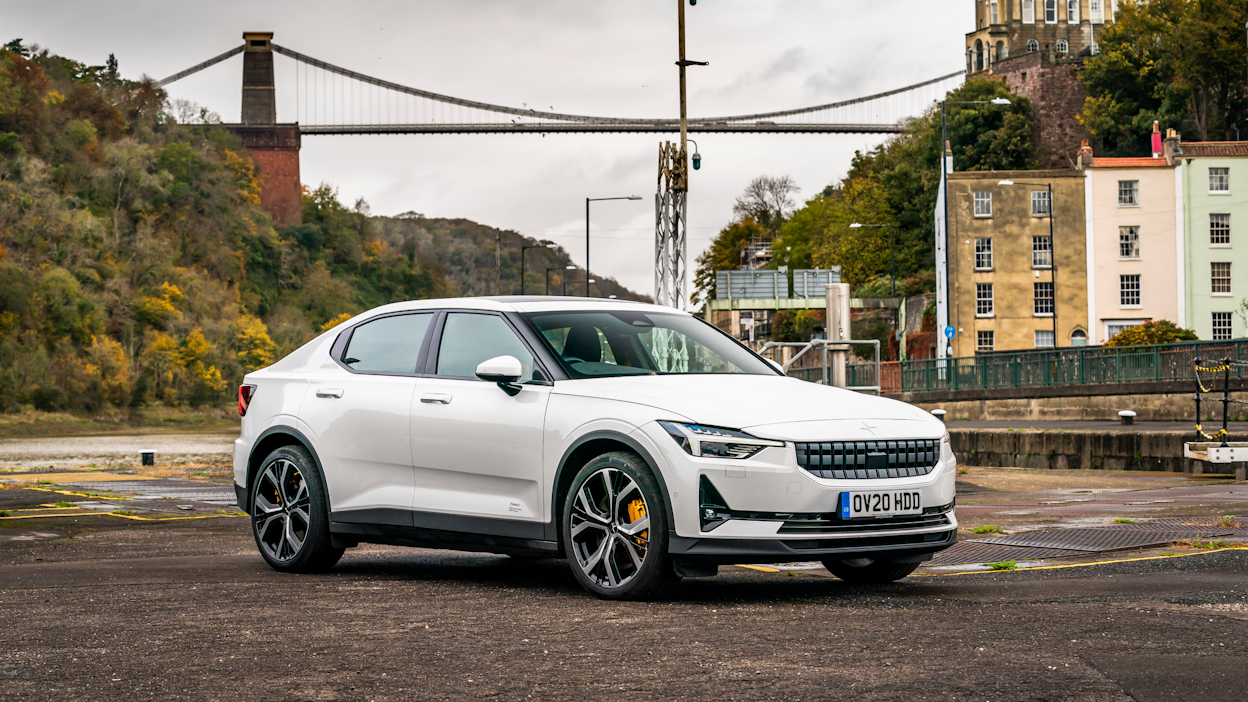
(387, 345)
(468, 339)
(598, 344)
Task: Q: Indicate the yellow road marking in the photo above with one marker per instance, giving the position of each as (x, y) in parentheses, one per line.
(93, 477)
(87, 512)
(80, 494)
(1084, 565)
(765, 570)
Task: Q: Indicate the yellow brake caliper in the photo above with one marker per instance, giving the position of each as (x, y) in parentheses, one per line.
(637, 510)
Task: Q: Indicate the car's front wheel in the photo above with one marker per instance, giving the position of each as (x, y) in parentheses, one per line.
(290, 514)
(615, 529)
(865, 571)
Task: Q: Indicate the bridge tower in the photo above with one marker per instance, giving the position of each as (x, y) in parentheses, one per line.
(273, 147)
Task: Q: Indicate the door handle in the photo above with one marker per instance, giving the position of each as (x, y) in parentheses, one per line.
(329, 392)
(436, 399)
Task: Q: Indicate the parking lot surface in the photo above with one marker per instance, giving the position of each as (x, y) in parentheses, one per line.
(178, 605)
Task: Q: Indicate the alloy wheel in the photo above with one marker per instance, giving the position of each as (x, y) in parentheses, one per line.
(282, 506)
(610, 528)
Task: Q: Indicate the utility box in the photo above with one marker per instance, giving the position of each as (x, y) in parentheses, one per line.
(838, 329)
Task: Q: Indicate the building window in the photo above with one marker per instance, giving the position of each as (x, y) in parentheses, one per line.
(1129, 290)
(983, 254)
(1097, 11)
(994, 12)
(983, 300)
(983, 204)
(1115, 327)
(1044, 338)
(1032, 46)
(1050, 11)
(1219, 230)
(1072, 16)
(1221, 278)
(1128, 193)
(1029, 13)
(1219, 180)
(1040, 203)
(1063, 47)
(1221, 326)
(1041, 252)
(985, 341)
(1129, 242)
(1043, 304)
(1079, 337)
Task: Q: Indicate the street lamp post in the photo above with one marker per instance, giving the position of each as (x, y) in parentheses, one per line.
(587, 201)
(565, 280)
(945, 167)
(548, 270)
(892, 250)
(522, 250)
(1052, 248)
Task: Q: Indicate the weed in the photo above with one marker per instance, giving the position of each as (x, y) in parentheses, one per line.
(4, 512)
(1004, 565)
(988, 529)
(64, 504)
(1124, 521)
(1211, 545)
(963, 471)
(123, 512)
(198, 474)
(44, 482)
(1226, 520)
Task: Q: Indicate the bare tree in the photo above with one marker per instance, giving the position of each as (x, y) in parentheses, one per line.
(769, 200)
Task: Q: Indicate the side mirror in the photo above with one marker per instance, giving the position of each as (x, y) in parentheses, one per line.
(504, 370)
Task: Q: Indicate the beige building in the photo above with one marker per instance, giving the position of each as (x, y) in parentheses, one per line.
(1009, 28)
(1135, 248)
(1006, 292)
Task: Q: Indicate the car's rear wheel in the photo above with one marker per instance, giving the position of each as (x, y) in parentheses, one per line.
(865, 571)
(290, 514)
(615, 529)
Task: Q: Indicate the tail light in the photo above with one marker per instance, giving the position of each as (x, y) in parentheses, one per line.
(245, 393)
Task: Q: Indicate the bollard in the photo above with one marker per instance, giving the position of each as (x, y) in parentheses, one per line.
(1127, 417)
(939, 414)
(148, 456)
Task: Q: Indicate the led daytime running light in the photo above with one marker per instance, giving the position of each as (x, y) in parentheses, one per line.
(718, 442)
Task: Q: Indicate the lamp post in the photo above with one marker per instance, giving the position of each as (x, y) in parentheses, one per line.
(1052, 248)
(522, 250)
(892, 251)
(587, 201)
(565, 279)
(942, 301)
(548, 270)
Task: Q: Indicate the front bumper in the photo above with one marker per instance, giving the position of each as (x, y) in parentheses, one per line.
(777, 511)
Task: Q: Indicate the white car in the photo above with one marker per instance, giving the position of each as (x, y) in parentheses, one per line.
(637, 441)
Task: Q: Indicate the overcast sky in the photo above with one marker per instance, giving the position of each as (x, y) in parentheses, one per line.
(599, 57)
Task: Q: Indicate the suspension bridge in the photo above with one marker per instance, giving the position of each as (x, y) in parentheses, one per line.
(331, 99)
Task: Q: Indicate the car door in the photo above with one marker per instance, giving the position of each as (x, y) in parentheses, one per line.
(477, 450)
(358, 408)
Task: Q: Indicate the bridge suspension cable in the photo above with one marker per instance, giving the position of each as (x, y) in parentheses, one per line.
(335, 100)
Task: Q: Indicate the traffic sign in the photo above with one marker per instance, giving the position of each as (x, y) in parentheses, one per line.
(950, 332)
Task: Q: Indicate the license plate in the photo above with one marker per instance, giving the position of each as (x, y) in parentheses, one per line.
(880, 504)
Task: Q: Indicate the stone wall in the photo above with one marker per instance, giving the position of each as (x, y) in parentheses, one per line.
(275, 151)
(1057, 97)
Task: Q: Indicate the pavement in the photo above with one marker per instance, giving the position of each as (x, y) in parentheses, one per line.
(161, 602)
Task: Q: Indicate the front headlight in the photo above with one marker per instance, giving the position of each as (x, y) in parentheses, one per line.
(716, 442)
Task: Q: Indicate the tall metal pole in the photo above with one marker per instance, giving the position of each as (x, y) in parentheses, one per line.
(944, 244)
(586, 247)
(684, 125)
(1053, 266)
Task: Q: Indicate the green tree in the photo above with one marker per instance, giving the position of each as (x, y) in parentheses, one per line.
(1159, 332)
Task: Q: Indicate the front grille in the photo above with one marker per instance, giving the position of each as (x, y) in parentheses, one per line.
(869, 460)
(939, 538)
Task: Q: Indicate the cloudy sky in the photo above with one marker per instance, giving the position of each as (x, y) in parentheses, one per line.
(599, 57)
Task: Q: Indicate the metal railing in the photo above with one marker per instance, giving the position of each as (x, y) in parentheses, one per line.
(855, 378)
(1073, 366)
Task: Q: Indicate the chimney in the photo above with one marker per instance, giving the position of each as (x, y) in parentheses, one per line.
(1157, 148)
(1085, 156)
(1173, 147)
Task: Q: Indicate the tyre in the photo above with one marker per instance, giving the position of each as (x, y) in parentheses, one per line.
(290, 513)
(614, 529)
(864, 571)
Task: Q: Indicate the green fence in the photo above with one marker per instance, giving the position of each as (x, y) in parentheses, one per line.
(1029, 369)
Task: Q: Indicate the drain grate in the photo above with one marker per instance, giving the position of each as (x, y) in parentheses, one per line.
(1096, 539)
(980, 552)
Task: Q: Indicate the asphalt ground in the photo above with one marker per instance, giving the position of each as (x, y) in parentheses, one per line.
(98, 606)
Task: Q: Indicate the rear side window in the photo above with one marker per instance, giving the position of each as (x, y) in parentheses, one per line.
(468, 339)
(387, 345)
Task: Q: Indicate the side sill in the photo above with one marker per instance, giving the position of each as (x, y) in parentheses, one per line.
(350, 533)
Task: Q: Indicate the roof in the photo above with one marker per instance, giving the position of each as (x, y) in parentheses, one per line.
(518, 303)
(1213, 148)
(1130, 163)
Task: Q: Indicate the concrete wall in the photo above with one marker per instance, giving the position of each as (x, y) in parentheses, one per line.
(1163, 407)
(1057, 97)
(1011, 228)
(1155, 216)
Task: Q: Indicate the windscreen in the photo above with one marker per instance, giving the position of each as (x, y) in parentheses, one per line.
(607, 344)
